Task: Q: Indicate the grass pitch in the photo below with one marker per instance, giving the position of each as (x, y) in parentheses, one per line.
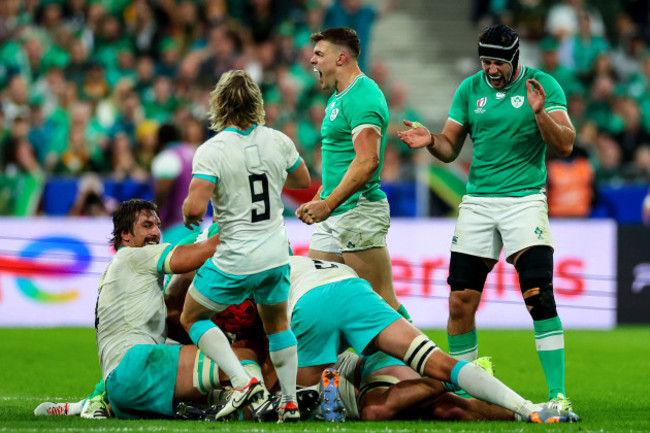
(607, 379)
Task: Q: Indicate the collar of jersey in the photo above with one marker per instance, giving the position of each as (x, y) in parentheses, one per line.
(521, 75)
(239, 131)
(360, 76)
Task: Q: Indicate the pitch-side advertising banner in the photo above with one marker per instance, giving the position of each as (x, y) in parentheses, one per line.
(50, 269)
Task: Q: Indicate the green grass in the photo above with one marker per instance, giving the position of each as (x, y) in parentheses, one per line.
(607, 379)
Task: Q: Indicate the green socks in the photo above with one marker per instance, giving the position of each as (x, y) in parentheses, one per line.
(464, 346)
(549, 340)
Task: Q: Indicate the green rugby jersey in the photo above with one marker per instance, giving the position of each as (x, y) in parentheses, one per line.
(361, 103)
(508, 155)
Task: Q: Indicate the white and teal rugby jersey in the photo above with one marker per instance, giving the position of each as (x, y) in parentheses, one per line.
(249, 169)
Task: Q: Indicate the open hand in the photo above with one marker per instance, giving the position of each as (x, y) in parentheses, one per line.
(536, 95)
(416, 137)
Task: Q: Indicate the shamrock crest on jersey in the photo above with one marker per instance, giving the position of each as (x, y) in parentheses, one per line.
(517, 101)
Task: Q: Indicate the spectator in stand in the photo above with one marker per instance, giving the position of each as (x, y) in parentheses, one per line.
(130, 115)
(399, 109)
(633, 133)
(562, 19)
(146, 144)
(163, 103)
(125, 65)
(169, 58)
(90, 198)
(580, 51)
(78, 67)
(18, 154)
(223, 47)
(172, 173)
(15, 100)
(599, 106)
(570, 185)
(361, 17)
(630, 49)
(123, 161)
(609, 168)
(146, 30)
(550, 63)
(144, 76)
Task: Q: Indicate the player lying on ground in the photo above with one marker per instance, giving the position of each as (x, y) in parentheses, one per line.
(380, 387)
(331, 309)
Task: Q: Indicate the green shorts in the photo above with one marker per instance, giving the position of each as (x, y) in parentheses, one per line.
(142, 386)
(330, 318)
(266, 287)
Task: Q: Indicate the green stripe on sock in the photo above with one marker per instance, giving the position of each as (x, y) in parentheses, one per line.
(463, 343)
(200, 372)
(213, 366)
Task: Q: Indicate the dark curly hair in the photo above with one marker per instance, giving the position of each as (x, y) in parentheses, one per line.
(126, 215)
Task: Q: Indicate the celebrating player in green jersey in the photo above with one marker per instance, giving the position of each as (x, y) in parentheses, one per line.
(351, 212)
(512, 113)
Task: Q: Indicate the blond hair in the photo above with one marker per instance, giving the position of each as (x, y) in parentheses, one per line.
(236, 100)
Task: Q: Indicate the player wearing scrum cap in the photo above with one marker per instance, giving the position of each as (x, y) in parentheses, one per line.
(512, 113)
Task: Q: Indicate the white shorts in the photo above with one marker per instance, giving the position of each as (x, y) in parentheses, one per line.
(488, 224)
(363, 227)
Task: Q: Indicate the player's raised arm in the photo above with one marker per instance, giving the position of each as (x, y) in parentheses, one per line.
(556, 127)
(445, 146)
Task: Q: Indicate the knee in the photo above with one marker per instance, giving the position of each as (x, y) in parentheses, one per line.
(462, 304)
(535, 268)
(467, 272)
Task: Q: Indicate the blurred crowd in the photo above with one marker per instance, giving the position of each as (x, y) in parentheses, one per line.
(105, 86)
(86, 86)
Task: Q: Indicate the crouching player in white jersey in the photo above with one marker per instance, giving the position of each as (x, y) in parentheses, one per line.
(242, 170)
(143, 376)
(357, 317)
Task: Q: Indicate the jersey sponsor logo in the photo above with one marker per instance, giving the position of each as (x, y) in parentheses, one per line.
(500, 95)
(333, 114)
(480, 103)
(517, 101)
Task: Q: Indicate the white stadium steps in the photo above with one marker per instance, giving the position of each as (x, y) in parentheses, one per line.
(429, 44)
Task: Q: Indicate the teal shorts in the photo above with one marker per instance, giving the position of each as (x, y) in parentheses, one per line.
(376, 361)
(266, 287)
(142, 386)
(330, 318)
